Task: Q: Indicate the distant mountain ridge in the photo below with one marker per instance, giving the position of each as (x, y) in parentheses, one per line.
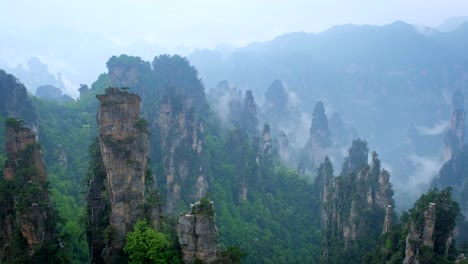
(384, 80)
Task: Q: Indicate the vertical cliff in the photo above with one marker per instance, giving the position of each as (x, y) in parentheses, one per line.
(98, 204)
(181, 137)
(28, 221)
(124, 143)
(355, 206)
(454, 138)
(431, 224)
(197, 233)
(249, 114)
(280, 109)
(266, 142)
(15, 103)
(173, 99)
(420, 236)
(316, 148)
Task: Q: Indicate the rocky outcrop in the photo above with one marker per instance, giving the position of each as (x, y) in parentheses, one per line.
(26, 213)
(266, 143)
(429, 226)
(454, 138)
(317, 147)
(15, 102)
(84, 90)
(280, 108)
(352, 203)
(460, 259)
(181, 134)
(249, 115)
(124, 143)
(98, 205)
(357, 157)
(420, 236)
(388, 219)
(127, 71)
(172, 100)
(197, 233)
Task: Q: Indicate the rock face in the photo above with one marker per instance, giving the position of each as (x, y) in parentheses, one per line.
(319, 142)
(353, 203)
(249, 115)
(124, 143)
(418, 237)
(172, 98)
(197, 233)
(15, 102)
(127, 72)
(25, 210)
(280, 109)
(454, 138)
(388, 219)
(98, 206)
(266, 143)
(181, 134)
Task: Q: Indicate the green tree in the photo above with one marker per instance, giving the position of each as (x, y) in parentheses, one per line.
(147, 245)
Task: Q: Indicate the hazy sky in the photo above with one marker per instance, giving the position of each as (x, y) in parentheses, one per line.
(207, 23)
(76, 38)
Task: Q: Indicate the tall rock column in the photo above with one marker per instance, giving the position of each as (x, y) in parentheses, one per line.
(197, 233)
(25, 209)
(352, 203)
(418, 238)
(123, 139)
(319, 142)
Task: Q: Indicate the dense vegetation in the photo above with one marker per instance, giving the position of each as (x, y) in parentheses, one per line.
(265, 212)
(447, 213)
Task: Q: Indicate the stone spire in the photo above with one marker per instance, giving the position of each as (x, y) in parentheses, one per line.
(25, 205)
(123, 139)
(388, 219)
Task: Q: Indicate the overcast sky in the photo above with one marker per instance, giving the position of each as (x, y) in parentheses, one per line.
(76, 38)
(207, 23)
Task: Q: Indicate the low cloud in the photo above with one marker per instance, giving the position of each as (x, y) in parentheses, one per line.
(425, 170)
(420, 175)
(436, 129)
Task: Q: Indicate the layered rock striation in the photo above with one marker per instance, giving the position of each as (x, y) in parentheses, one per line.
(356, 206)
(124, 144)
(27, 219)
(420, 236)
(172, 101)
(197, 234)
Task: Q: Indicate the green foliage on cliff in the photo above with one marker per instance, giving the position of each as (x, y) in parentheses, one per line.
(447, 212)
(277, 222)
(146, 245)
(25, 207)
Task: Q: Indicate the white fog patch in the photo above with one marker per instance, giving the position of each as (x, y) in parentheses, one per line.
(293, 98)
(436, 129)
(387, 167)
(55, 66)
(302, 130)
(425, 169)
